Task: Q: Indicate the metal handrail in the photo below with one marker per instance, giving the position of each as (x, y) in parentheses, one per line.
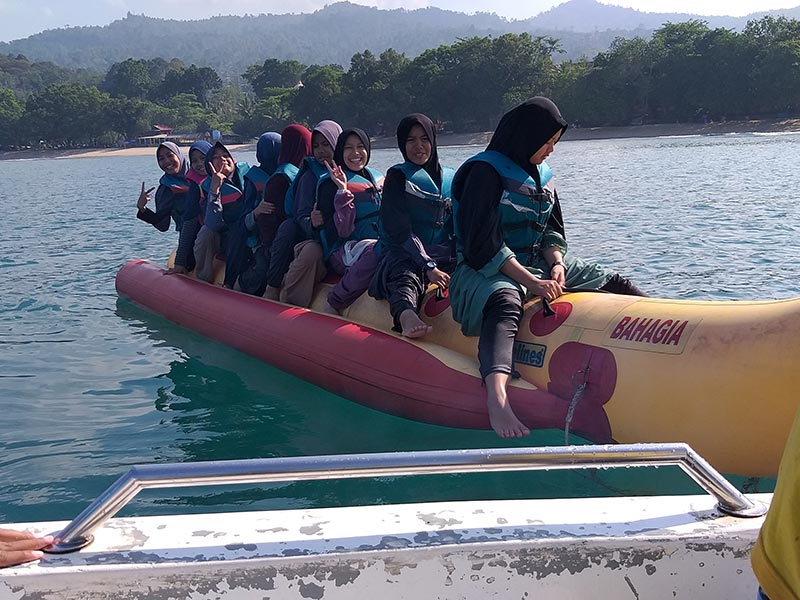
(78, 533)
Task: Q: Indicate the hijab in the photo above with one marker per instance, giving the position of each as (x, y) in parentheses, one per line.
(234, 178)
(526, 128)
(295, 145)
(202, 147)
(177, 152)
(268, 150)
(330, 130)
(404, 129)
(338, 152)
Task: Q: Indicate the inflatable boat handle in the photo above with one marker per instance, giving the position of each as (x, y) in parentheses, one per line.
(78, 533)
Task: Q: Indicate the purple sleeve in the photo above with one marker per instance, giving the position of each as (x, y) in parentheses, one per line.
(305, 194)
(344, 215)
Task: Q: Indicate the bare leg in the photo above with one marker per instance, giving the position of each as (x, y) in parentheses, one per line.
(502, 418)
(412, 325)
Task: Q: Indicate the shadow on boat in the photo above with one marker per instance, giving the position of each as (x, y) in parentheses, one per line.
(223, 404)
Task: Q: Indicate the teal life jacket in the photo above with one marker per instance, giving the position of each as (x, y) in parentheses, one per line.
(258, 177)
(430, 208)
(309, 163)
(287, 169)
(524, 207)
(231, 197)
(367, 202)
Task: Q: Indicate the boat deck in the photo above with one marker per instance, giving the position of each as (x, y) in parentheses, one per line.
(639, 547)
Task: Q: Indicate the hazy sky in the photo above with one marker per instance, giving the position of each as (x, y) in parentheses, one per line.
(21, 18)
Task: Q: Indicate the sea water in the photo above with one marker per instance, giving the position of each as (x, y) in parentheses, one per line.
(91, 385)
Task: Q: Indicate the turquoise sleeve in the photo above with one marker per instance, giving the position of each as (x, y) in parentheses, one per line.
(493, 267)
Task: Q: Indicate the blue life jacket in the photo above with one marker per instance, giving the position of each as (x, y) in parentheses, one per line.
(172, 192)
(367, 202)
(524, 207)
(231, 197)
(309, 163)
(430, 208)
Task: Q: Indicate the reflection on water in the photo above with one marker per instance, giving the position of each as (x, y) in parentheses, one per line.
(222, 404)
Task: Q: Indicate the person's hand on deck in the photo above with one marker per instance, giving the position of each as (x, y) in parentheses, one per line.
(17, 547)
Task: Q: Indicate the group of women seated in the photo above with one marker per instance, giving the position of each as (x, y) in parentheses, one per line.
(491, 233)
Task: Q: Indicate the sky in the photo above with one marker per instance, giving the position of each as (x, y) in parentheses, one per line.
(21, 18)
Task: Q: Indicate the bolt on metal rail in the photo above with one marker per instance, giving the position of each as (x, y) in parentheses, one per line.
(78, 533)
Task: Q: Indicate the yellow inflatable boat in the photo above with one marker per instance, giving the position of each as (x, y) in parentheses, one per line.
(723, 376)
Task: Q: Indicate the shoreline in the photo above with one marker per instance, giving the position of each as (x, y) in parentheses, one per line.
(791, 125)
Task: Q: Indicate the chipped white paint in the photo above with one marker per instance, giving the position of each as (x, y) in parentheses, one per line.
(665, 547)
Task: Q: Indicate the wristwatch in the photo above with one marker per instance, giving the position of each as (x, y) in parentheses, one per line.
(431, 264)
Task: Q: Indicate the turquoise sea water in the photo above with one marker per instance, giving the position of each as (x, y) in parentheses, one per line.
(91, 385)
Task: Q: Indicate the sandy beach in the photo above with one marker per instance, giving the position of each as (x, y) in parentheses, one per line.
(480, 138)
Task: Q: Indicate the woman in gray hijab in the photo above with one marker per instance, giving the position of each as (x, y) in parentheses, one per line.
(171, 196)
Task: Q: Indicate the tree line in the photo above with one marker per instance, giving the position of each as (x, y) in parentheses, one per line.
(685, 72)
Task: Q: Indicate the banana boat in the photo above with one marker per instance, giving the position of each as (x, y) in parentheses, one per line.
(720, 376)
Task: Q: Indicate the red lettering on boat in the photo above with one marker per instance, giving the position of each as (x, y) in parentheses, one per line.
(620, 328)
(641, 329)
(647, 336)
(675, 337)
(626, 335)
(662, 331)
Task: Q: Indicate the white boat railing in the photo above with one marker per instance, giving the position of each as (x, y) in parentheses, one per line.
(78, 533)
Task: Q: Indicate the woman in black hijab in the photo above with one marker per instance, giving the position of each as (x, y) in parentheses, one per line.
(416, 244)
(512, 245)
(349, 198)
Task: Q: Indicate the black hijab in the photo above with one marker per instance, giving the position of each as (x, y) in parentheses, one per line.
(404, 129)
(338, 151)
(235, 178)
(526, 128)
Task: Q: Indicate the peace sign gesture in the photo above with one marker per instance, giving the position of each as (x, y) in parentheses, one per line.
(217, 178)
(144, 198)
(338, 176)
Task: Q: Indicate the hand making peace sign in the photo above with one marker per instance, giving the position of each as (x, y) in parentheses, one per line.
(144, 198)
(217, 177)
(337, 175)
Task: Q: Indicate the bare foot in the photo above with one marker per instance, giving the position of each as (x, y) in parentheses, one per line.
(503, 420)
(329, 310)
(272, 293)
(412, 325)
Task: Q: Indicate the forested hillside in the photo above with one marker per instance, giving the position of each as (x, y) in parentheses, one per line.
(333, 34)
(684, 72)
